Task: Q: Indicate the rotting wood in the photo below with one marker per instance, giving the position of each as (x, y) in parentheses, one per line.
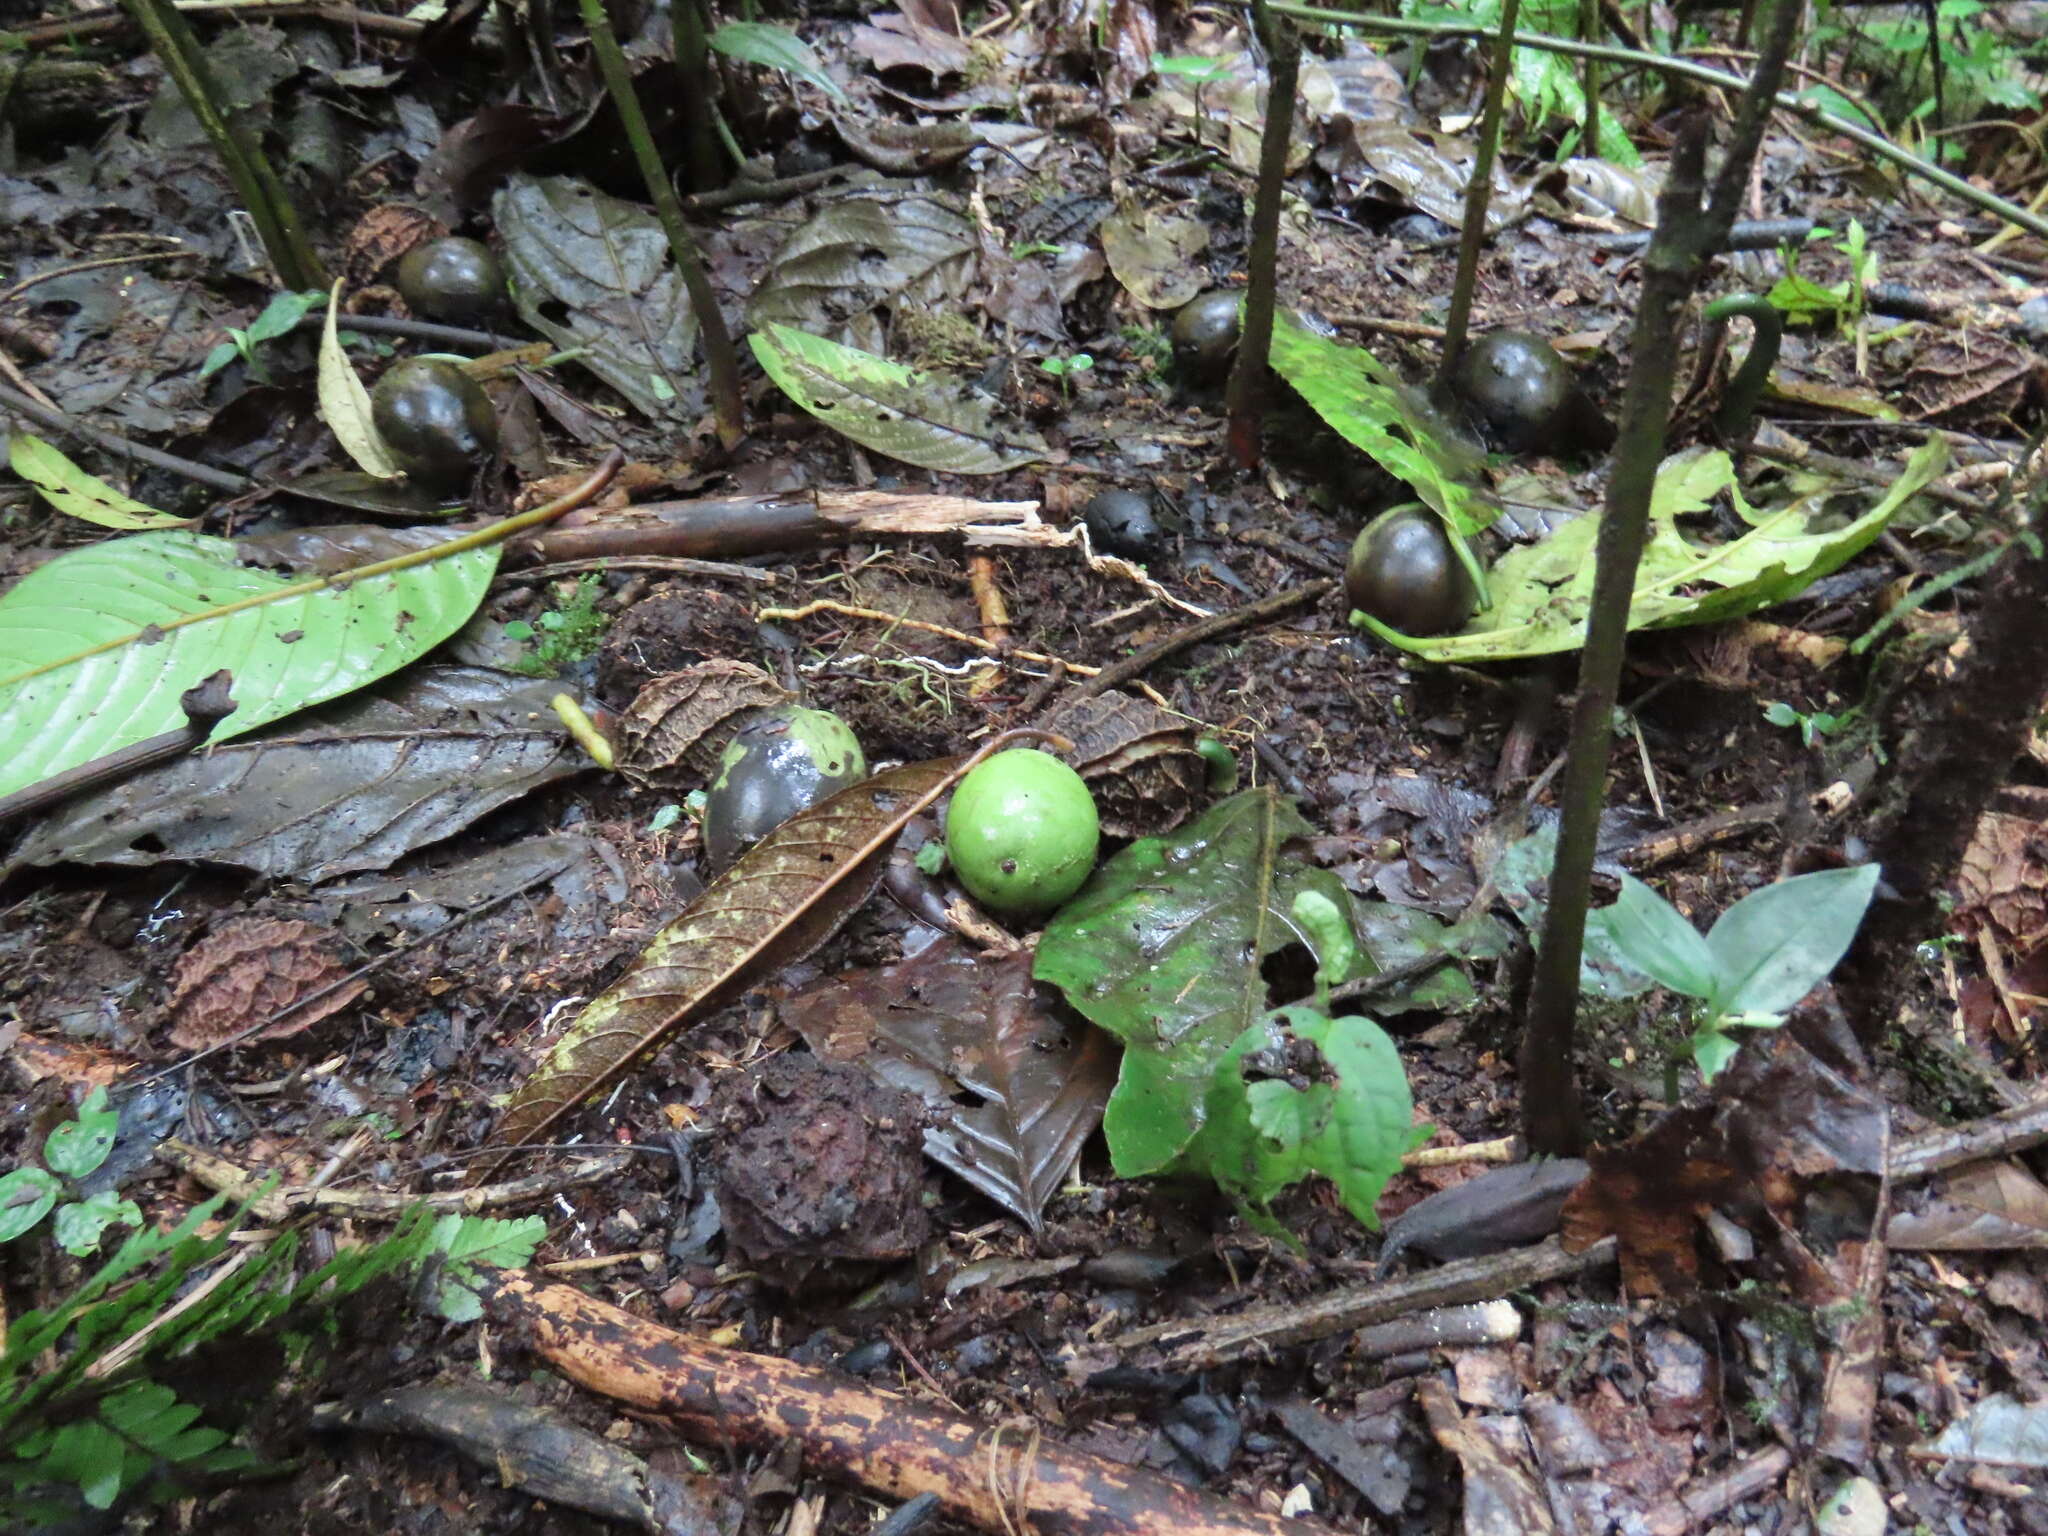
(731, 527)
(999, 1477)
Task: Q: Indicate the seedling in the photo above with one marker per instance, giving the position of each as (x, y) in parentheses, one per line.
(280, 317)
(73, 1151)
(1803, 299)
(1811, 727)
(1063, 368)
(1763, 955)
(566, 635)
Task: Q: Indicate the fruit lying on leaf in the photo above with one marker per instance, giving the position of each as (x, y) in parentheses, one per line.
(781, 763)
(1022, 832)
(1405, 572)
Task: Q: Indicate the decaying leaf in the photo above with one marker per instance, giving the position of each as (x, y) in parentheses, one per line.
(918, 418)
(948, 1020)
(345, 404)
(77, 494)
(1153, 254)
(1983, 1206)
(679, 723)
(2000, 1430)
(253, 968)
(357, 786)
(606, 262)
(100, 642)
(780, 902)
(862, 253)
(1139, 761)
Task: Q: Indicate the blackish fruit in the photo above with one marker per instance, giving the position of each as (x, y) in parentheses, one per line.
(452, 279)
(1405, 572)
(777, 765)
(1520, 389)
(1124, 523)
(1205, 336)
(436, 420)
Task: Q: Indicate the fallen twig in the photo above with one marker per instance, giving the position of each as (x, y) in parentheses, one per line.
(241, 1184)
(1216, 625)
(991, 1476)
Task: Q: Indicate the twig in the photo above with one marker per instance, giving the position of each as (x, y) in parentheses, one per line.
(1950, 1146)
(898, 621)
(416, 330)
(1705, 1499)
(1250, 616)
(1245, 394)
(741, 192)
(156, 458)
(224, 1177)
(206, 704)
(55, 34)
(718, 569)
(1744, 235)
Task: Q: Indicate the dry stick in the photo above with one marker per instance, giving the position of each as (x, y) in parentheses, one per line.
(113, 442)
(898, 621)
(1877, 144)
(1246, 391)
(1478, 190)
(852, 1432)
(1704, 1500)
(262, 191)
(416, 330)
(55, 34)
(1551, 1118)
(718, 349)
(72, 269)
(206, 704)
(1250, 616)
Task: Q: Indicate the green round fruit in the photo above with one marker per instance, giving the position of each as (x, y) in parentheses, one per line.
(785, 761)
(436, 420)
(1022, 832)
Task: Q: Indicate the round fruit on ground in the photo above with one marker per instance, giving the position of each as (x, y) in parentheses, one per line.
(1022, 832)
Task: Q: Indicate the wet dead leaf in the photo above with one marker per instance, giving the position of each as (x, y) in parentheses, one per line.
(1983, 1206)
(1153, 254)
(254, 968)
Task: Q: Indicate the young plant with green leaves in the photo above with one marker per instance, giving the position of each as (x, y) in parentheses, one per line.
(280, 318)
(83, 1421)
(1064, 369)
(1759, 959)
(72, 1153)
(1804, 300)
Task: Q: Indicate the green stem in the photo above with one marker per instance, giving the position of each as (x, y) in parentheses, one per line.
(1877, 144)
(718, 348)
(261, 190)
(1478, 192)
(1738, 406)
(693, 70)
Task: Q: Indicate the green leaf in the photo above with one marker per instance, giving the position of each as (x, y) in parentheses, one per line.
(100, 642)
(345, 404)
(26, 1196)
(1712, 1050)
(1776, 945)
(1162, 948)
(78, 1146)
(1543, 592)
(1374, 411)
(885, 406)
(223, 353)
(1652, 936)
(86, 1453)
(760, 42)
(77, 494)
(282, 315)
(1352, 1126)
(80, 1225)
(467, 1243)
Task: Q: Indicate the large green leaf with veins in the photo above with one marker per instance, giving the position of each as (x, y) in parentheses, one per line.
(1542, 593)
(97, 645)
(1162, 948)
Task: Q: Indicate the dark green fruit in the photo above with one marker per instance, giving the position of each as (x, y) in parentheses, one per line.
(1124, 523)
(452, 279)
(436, 420)
(1405, 572)
(1519, 387)
(1205, 336)
(782, 763)
(1022, 832)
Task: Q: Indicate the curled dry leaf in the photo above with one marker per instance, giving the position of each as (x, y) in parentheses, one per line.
(780, 902)
(679, 723)
(345, 404)
(1139, 761)
(252, 969)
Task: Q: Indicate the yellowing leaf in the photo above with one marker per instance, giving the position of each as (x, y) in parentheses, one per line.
(77, 494)
(345, 404)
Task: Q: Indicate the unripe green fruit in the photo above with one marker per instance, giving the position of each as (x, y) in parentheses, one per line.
(784, 762)
(1022, 832)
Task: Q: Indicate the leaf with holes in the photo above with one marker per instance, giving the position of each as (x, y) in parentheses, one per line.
(885, 406)
(863, 253)
(780, 902)
(100, 642)
(77, 494)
